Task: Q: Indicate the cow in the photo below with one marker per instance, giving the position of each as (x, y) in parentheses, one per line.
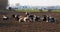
(44, 18)
(27, 13)
(15, 16)
(24, 19)
(32, 17)
(20, 18)
(37, 18)
(50, 19)
(47, 18)
(5, 17)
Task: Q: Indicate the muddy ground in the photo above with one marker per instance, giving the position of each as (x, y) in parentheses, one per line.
(14, 26)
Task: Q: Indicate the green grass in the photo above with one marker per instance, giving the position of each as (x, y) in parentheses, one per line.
(5, 11)
(37, 11)
(45, 11)
(55, 10)
(29, 10)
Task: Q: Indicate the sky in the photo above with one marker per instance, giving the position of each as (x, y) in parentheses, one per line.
(35, 2)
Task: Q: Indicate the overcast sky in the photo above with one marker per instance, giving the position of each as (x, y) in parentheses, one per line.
(35, 2)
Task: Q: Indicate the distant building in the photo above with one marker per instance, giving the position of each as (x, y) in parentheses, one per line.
(3, 4)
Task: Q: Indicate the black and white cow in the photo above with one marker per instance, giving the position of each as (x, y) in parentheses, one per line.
(32, 17)
(15, 16)
(27, 13)
(37, 18)
(44, 18)
(5, 17)
(50, 19)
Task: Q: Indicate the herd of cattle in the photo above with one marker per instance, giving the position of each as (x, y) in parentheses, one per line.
(30, 18)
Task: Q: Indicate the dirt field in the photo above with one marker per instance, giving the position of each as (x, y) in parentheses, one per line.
(14, 26)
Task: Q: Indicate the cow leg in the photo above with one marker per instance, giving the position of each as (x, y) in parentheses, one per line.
(25, 19)
(20, 19)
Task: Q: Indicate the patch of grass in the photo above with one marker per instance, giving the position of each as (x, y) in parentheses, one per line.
(55, 10)
(45, 11)
(27, 11)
